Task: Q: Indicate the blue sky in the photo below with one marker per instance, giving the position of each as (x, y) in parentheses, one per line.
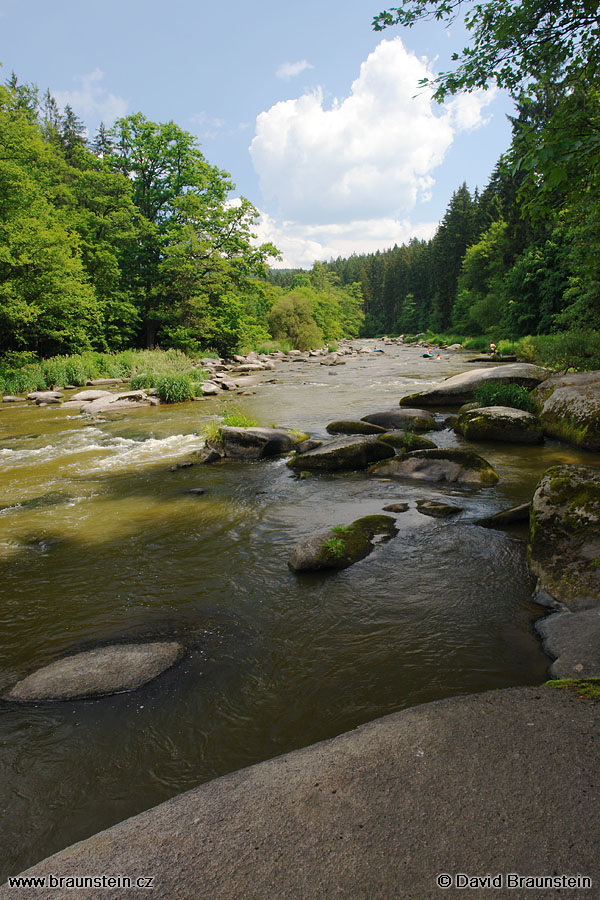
(311, 111)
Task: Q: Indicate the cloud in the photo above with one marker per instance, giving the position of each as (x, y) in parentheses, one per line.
(91, 100)
(301, 245)
(292, 69)
(367, 157)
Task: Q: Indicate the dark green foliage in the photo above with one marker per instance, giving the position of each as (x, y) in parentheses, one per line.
(492, 394)
(174, 388)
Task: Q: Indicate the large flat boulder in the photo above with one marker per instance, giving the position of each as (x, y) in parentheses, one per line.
(122, 400)
(569, 408)
(501, 424)
(96, 673)
(564, 540)
(417, 420)
(573, 639)
(459, 389)
(341, 546)
(257, 443)
(502, 782)
(343, 454)
(461, 466)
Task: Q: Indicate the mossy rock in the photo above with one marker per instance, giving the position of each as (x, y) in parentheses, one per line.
(503, 424)
(564, 539)
(341, 546)
(345, 454)
(569, 408)
(258, 443)
(455, 466)
(416, 420)
(351, 426)
(514, 516)
(406, 440)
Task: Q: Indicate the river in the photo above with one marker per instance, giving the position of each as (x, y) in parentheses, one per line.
(100, 542)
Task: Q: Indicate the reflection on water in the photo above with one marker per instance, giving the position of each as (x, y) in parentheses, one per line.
(101, 541)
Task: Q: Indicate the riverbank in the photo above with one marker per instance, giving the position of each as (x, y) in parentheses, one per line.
(496, 783)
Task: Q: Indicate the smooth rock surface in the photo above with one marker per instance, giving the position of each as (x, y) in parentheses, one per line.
(500, 782)
(564, 540)
(394, 419)
(503, 424)
(95, 673)
(573, 639)
(459, 389)
(343, 454)
(436, 509)
(460, 466)
(569, 408)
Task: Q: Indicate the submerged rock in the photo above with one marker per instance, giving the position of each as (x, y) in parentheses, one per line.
(351, 426)
(460, 466)
(510, 516)
(436, 509)
(396, 507)
(96, 673)
(459, 389)
(564, 540)
(500, 423)
(342, 546)
(413, 419)
(569, 408)
(344, 454)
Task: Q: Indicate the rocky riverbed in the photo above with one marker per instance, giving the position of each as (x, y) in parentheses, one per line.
(114, 534)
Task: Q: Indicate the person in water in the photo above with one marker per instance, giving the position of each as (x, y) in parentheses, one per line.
(493, 349)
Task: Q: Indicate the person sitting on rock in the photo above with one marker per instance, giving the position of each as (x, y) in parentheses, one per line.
(493, 350)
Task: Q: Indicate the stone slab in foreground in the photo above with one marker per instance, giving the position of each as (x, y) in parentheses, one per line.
(502, 782)
(573, 639)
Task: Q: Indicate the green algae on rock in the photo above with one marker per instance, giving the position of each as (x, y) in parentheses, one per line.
(343, 454)
(564, 540)
(351, 426)
(569, 408)
(406, 440)
(500, 423)
(588, 688)
(342, 545)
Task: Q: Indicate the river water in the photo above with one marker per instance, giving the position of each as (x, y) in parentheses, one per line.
(100, 542)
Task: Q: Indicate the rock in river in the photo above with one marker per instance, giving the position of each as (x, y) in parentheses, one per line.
(460, 466)
(341, 546)
(459, 388)
(95, 673)
(573, 639)
(406, 440)
(500, 423)
(415, 419)
(257, 443)
(569, 408)
(350, 426)
(564, 540)
(343, 454)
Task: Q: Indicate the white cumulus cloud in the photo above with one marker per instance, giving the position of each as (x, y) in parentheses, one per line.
(292, 69)
(359, 164)
(91, 100)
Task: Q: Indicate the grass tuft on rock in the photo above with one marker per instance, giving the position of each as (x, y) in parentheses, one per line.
(589, 688)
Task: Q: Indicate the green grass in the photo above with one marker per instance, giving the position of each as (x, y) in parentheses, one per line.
(233, 418)
(267, 347)
(491, 393)
(589, 688)
(335, 546)
(20, 374)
